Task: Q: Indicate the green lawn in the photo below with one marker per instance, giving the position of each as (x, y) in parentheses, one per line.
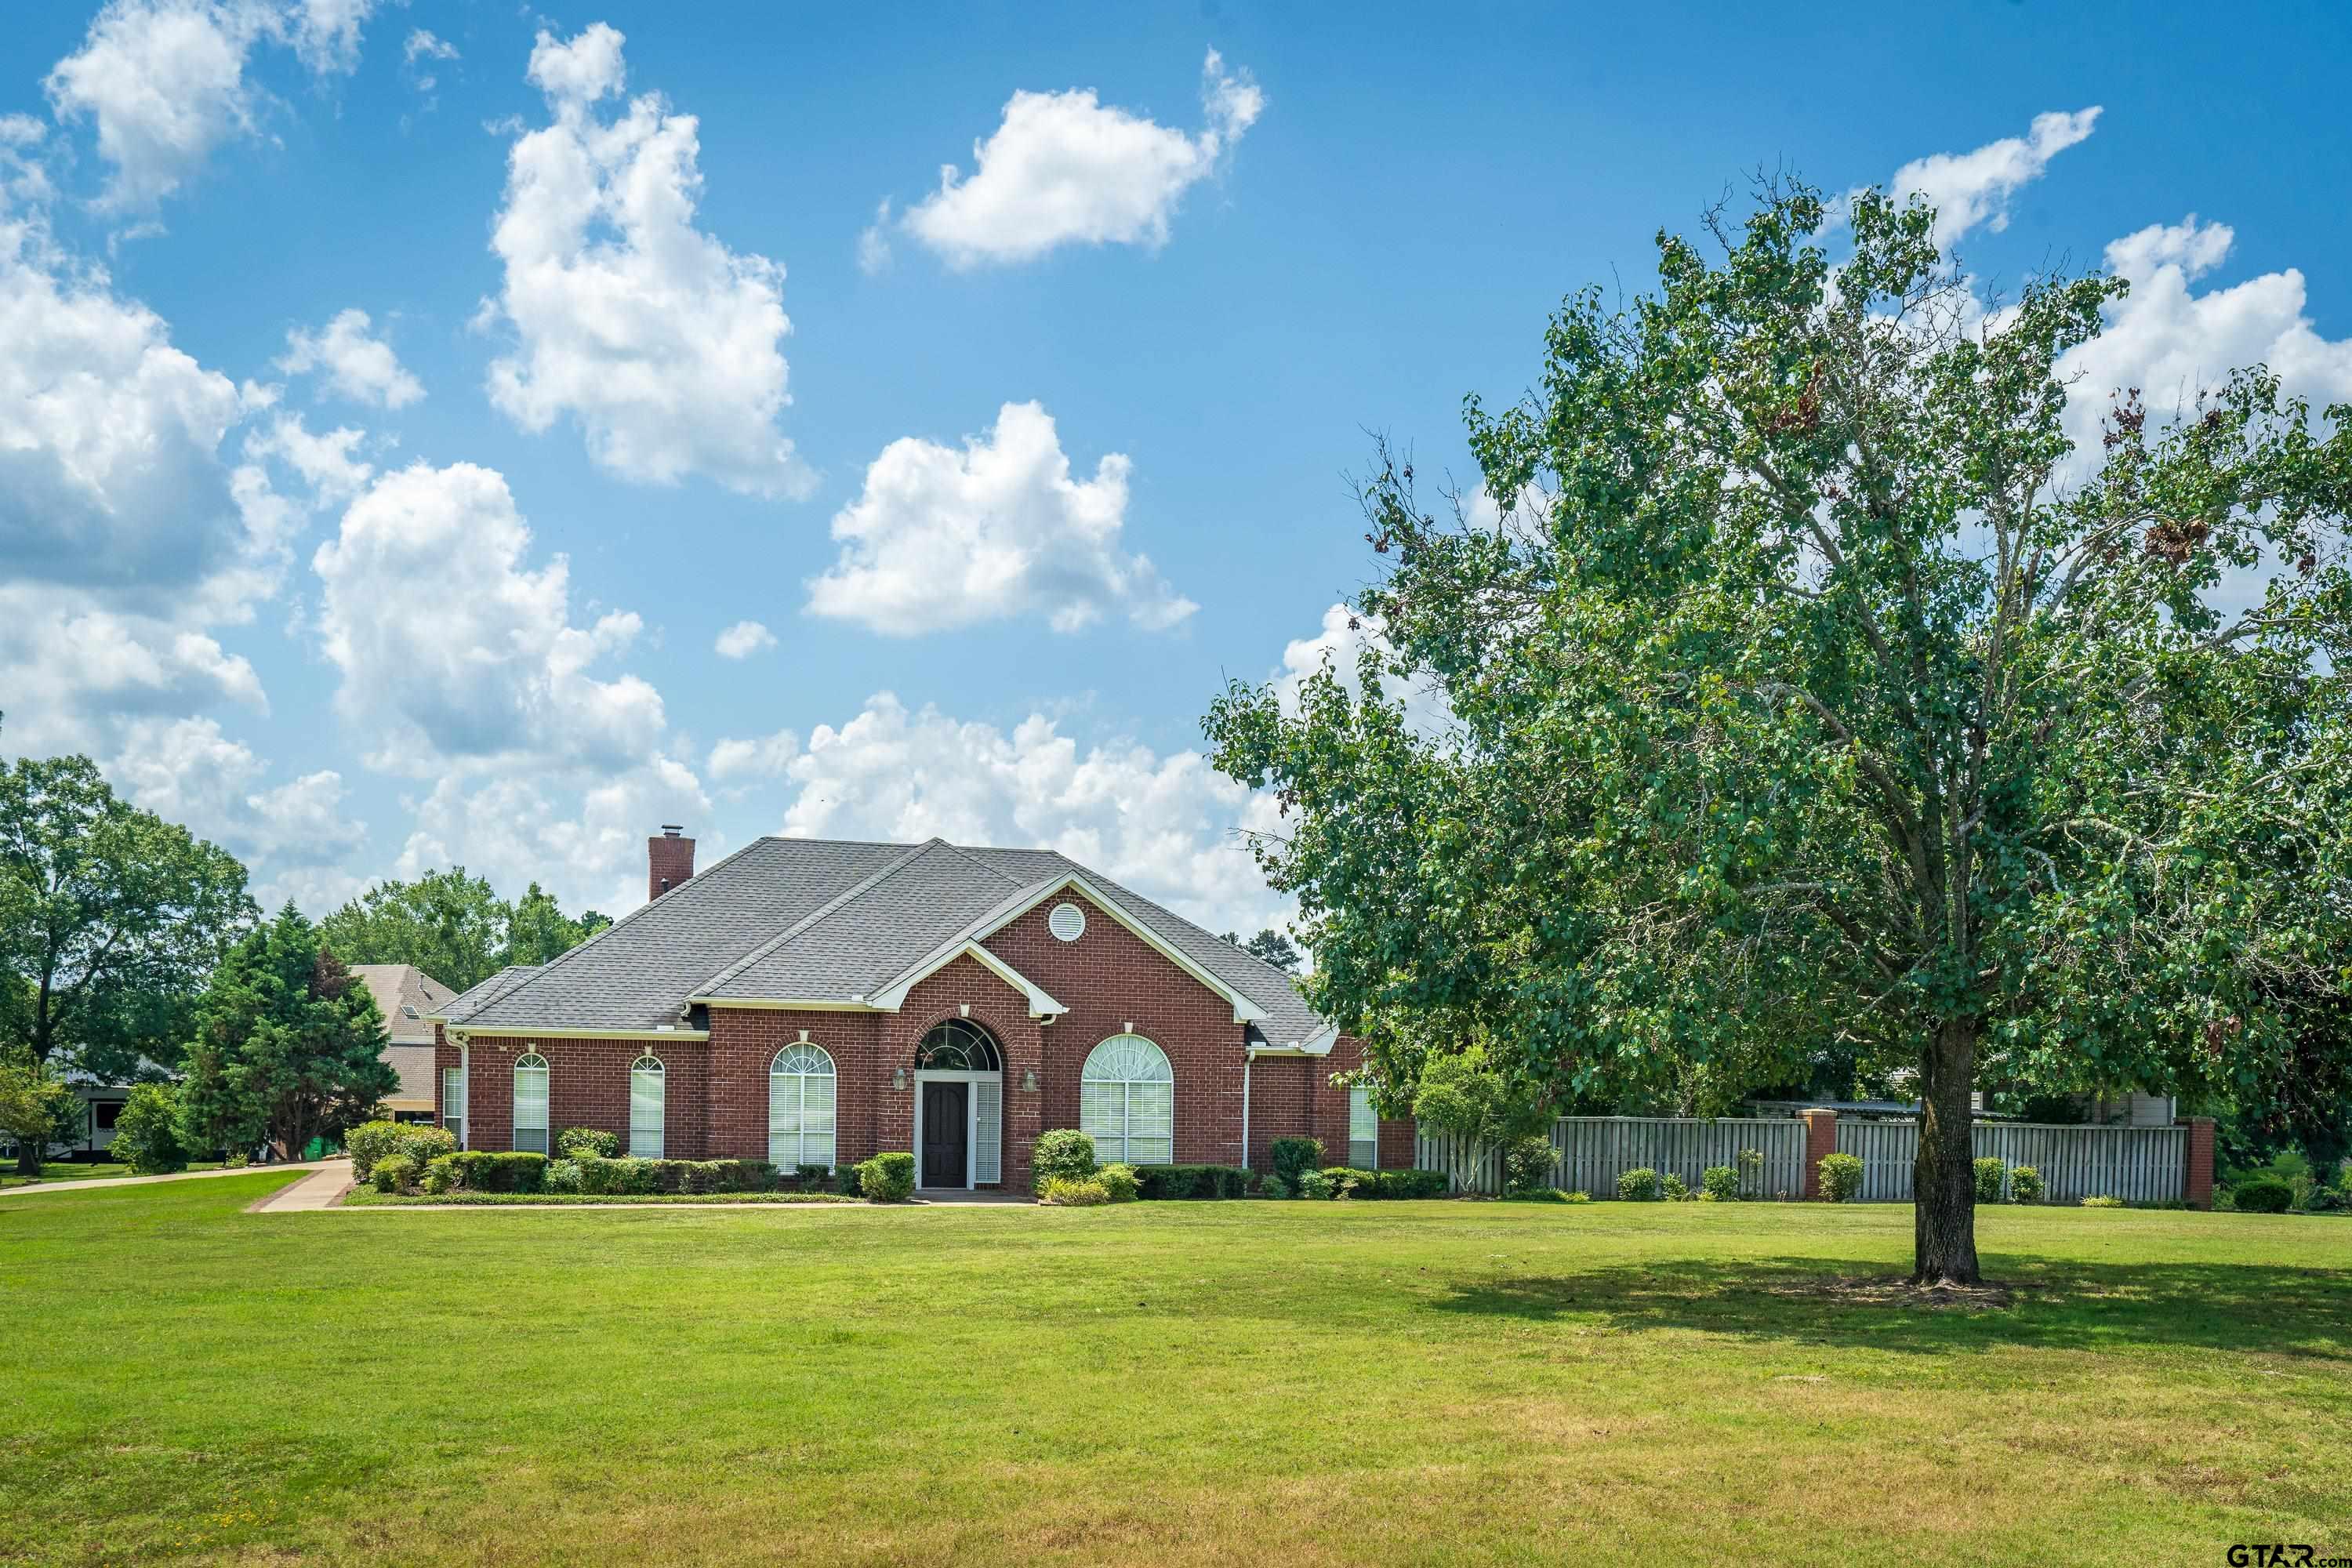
(79, 1171)
(1182, 1382)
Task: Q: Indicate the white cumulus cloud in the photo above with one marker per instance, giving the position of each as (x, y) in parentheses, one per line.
(1063, 169)
(290, 835)
(586, 847)
(743, 640)
(1167, 825)
(661, 342)
(355, 361)
(941, 538)
(1971, 188)
(2172, 339)
(455, 651)
(164, 80)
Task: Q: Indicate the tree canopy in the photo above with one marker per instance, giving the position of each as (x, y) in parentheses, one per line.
(1270, 945)
(453, 927)
(1812, 688)
(110, 919)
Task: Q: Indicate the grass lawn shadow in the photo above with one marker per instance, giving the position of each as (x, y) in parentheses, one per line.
(2066, 1305)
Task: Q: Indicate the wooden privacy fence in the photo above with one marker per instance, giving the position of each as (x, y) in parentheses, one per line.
(2139, 1164)
(1595, 1149)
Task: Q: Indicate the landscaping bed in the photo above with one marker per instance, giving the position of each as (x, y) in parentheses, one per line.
(367, 1197)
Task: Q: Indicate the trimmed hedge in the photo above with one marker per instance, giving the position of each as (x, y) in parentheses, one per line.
(886, 1178)
(1119, 1180)
(489, 1171)
(372, 1140)
(367, 1198)
(1064, 1152)
(587, 1144)
(634, 1177)
(1195, 1181)
(2264, 1194)
(1412, 1183)
(1294, 1157)
(1841, 1177)
(1639, 1185)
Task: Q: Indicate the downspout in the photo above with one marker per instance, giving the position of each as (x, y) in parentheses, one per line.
(1249, 1054)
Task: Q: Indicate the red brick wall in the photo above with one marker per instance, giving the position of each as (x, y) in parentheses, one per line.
(1293, 1097)
(2197, 1180)
(587, 1086)
(743, 1046)
(1109, 978)
(1820, 1143)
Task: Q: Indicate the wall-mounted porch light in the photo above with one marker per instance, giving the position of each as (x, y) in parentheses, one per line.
(1028, 1080)
(898, 1077)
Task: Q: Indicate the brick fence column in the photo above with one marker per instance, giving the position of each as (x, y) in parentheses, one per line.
(1821, 1141)
(2197, 1180)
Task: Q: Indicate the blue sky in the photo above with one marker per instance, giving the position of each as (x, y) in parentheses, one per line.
(481, 623)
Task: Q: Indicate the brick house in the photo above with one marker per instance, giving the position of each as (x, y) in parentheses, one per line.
(813, 1002)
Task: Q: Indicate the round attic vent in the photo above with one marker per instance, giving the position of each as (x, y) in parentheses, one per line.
(1068, 921)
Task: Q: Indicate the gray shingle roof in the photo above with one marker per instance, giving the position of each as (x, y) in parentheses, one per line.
(463, 1005)
(817, 920)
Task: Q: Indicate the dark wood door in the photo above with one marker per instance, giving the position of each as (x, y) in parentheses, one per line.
(944, 1133)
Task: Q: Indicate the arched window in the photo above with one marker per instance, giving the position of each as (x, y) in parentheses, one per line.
(1127, 1101)
(958, 1046)
(647, 1100)
(530, 1104)
(800, 1108)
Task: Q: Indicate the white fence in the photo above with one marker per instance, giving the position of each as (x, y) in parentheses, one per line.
(2139, 1164)
(1595, 1149)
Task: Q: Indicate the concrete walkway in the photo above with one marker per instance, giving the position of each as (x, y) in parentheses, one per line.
(323, 1188)
(68, 1184)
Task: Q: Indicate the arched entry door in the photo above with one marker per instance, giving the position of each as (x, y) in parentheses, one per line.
(959, 1107)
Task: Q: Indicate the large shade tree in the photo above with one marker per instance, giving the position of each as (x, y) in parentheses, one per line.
(1812, 687)
(111, 918)
(453, 927)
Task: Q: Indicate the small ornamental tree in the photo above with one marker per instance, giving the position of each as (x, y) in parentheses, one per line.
(1808, 683)
(1462, 1095)
(289, 1044)
(37, 1108)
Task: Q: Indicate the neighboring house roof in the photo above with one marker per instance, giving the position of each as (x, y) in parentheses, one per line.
(841, 924)
(407, 998)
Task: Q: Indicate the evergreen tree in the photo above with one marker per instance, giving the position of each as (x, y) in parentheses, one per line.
(289, 1045)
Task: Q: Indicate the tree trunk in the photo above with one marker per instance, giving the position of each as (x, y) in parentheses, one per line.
(28, 1155)
(1944, 1192)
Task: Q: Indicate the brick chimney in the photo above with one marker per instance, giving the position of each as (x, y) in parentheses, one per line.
(669, 860)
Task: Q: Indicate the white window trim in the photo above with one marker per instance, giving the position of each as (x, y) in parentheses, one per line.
(1125, 1119)
(1374, 1111)
(545, 1129)
(802, 1134)
(661, 1133)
